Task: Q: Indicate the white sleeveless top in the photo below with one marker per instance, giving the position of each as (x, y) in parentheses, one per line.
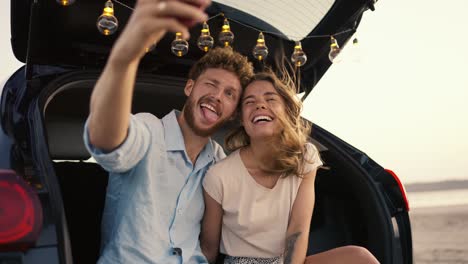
(255, 218)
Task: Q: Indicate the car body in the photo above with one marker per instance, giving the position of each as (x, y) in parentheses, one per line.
(45, 168)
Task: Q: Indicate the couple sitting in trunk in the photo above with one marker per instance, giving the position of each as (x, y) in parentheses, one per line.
(172, 195)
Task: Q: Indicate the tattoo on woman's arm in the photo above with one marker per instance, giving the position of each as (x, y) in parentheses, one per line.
(289, 249)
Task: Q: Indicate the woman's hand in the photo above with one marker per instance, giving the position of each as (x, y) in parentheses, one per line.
(211, 228)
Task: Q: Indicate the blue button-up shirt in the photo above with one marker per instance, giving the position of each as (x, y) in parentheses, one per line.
(154, 200)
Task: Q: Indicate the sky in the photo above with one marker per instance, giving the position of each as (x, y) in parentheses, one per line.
(399, 95)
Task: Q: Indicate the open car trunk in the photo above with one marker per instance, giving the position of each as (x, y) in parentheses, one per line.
(348, 209)
(45, 33)
(357, 202)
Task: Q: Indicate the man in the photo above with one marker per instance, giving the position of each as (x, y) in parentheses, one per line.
(154, 200)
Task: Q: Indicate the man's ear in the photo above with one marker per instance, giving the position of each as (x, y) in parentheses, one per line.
(189, 87)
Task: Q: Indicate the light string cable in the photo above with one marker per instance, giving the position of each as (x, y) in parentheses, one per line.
(298, 58)
(124, 5)
(131, 8)
(291, 38)
(180, 47)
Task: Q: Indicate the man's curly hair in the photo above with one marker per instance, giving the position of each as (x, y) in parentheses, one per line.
(224, 58)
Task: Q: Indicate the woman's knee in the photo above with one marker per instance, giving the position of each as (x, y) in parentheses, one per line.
(359, 255)
(345, 254)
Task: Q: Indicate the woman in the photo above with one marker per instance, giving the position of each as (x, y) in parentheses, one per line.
(260, 199)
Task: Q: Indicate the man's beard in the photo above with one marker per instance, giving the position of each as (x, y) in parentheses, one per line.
(189, 112)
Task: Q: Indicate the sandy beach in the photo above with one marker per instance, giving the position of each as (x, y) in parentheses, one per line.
(440, 234)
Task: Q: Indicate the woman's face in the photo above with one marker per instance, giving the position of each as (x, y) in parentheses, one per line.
(261, 108)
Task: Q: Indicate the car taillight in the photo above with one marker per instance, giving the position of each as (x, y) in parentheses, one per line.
(402, 188)
(20, 213)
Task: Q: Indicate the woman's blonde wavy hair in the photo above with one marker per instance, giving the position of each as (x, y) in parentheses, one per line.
(290, 148)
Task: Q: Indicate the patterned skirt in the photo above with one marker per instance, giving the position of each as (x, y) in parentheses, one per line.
(252, 260)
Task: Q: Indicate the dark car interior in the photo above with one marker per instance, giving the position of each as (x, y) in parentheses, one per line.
(346, 211)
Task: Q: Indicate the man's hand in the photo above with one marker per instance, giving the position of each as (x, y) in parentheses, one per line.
(150, 20)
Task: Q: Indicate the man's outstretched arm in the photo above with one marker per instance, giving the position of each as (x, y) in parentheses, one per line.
(111, 100)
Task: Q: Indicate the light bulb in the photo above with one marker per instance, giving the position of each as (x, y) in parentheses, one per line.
(226, 37)
(205, 41)
(107, 23)
(179, 46)
(65, 2)
(334, 50)
(298, 57)
(355, 41)
(260, 51)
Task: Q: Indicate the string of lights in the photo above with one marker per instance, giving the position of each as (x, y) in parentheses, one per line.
(108, 24)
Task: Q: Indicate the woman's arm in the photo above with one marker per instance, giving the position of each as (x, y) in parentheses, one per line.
(297, 235)
(211, 228)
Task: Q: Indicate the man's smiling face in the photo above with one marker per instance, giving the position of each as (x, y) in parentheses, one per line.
(212, 101)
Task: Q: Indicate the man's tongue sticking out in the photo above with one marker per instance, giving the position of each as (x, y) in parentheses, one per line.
(209, 115)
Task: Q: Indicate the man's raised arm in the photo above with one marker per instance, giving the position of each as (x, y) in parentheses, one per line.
(111, 99)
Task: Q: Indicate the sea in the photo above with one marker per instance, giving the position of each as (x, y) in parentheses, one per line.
(437, 194)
